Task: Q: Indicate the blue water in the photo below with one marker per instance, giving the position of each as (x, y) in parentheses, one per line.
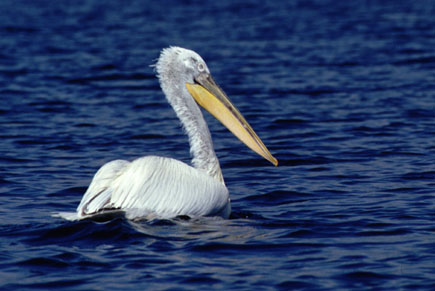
(343, 94)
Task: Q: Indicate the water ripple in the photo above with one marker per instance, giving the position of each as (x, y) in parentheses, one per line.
(341, 93)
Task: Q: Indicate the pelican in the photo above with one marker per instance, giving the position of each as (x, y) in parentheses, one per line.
(164, 187)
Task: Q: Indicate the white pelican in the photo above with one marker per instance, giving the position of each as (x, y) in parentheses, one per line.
(163, 187)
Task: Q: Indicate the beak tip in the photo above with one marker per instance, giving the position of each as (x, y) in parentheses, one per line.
(274, 162)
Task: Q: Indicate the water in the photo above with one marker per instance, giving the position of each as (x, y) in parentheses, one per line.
(342, 94)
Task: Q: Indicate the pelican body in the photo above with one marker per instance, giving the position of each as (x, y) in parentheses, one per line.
(154, 186)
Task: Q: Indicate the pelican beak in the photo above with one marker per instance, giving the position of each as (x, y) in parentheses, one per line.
(207, 93)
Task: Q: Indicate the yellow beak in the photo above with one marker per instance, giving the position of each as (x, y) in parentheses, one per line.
(208, 94)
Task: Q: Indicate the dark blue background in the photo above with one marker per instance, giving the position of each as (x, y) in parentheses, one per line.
(342, 93)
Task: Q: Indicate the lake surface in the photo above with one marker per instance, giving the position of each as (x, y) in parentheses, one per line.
(343, 94)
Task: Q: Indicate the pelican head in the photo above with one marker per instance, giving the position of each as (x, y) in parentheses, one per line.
(183, 73)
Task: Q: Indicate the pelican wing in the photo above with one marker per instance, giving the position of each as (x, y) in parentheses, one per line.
(98, 194)
(154, 185)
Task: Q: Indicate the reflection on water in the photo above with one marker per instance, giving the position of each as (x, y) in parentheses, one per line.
(205, 229)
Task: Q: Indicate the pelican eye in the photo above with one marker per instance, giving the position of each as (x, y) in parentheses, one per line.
(201, 67)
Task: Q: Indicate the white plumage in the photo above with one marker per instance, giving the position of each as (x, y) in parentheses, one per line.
(156, 186)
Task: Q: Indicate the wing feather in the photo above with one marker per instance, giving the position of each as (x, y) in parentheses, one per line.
(161, 186)
(98, 194)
